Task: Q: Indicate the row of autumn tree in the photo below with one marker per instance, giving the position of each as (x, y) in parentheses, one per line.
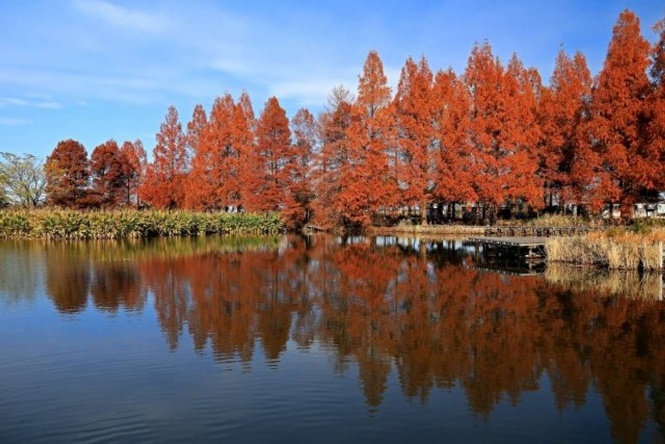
(494, 136)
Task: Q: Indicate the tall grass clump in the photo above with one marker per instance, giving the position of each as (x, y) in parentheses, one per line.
(123, 224)
(616, 249)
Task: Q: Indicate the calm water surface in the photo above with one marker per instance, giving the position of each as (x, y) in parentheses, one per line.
(321, 339)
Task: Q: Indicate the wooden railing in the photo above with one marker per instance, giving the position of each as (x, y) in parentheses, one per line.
(536, 231)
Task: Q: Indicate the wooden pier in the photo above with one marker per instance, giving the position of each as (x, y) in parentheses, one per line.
(524, 231)
(526, 247)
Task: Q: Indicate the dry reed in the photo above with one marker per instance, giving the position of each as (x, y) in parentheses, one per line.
(614, 249)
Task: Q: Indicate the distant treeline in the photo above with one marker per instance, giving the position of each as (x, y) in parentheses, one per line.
(493, 137)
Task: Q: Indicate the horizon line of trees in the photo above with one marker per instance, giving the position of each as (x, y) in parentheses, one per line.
(493, 137)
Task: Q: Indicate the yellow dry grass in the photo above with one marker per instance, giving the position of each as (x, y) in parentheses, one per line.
(614, 249)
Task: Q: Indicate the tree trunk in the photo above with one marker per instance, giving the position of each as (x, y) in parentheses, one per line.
(423, 213)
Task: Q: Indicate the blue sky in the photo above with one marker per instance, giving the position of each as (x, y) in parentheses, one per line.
(92, 70)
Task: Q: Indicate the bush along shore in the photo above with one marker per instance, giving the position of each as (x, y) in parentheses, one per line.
(615, 249)
(127, 224)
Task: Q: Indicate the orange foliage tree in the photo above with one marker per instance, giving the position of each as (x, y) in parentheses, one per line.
(504, 131)
(366, 184)
(655, 147)
(303, 128)
(564, 167)
(619, 116)
(135, 165)
(109, 168)
(521, 134)
(163, 186)
(210, 145)
(332, 161)
(455, 166)
(414, 109)
(494, 138)
(273, 160)
(67, 175)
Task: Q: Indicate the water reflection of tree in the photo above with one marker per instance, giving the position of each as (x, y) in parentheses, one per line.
(67, 278)
(116, 285)
(72, 275)
(21, 264)
(407, 309)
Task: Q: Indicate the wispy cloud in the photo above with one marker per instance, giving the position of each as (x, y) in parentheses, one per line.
(29, 102)
(10, 121)
(121, 16)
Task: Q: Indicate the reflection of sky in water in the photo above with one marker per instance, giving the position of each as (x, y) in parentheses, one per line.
(190, 340)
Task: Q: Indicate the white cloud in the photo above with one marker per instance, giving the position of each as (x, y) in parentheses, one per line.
(309, 92)
(121, 16)
(30, 102)
(10, 121)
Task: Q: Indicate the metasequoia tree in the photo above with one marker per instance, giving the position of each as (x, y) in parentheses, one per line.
(210, 147)
(273, 160)
(163, 186)
(366, 184)
(619, 117)
(566, 168)
(135, 166)
(484, 78)
(240, 164)
(109, 169)
(332, 161)
(414, 108)
(195, 130)
(455, 165)
(67, 175)
(655, 146)
(304, 132)
(503, 130)
(520, 134)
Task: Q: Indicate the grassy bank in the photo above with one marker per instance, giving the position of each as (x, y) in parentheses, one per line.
(616, 249)
(126, 224)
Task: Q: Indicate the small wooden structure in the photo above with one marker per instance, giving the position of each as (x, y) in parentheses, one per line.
(525, 247)
(536, 231)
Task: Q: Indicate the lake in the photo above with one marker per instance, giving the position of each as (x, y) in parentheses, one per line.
(322, 339)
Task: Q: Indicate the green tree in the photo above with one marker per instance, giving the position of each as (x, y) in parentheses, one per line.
(22, 179)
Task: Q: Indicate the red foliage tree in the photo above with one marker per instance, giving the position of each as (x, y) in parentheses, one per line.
(243, 127)
(303, 128)
(504, 131)
(415, 111)
(619, 117)
(195, 130)
(135, 166)
(273, 160)
(454, 163)
(163, 186)
(331, 163)
(68, 175)
(521, 134)
(109, 174)
(565, 167)
(655, 147)
(484, 78)
(367, 184)
(206, 141)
